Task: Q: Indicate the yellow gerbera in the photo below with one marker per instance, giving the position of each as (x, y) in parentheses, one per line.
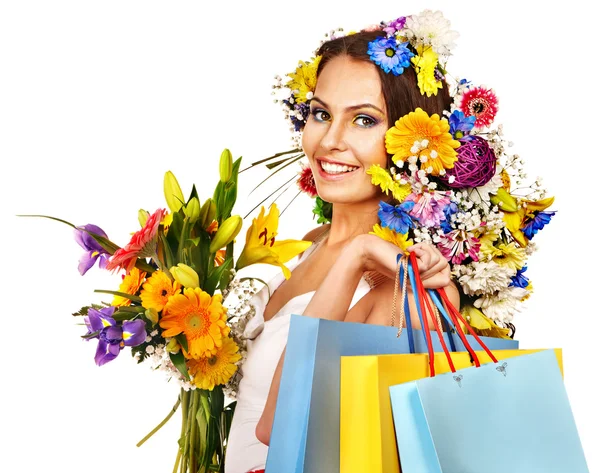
(425, 63)
(430, 131)
(382, 178)
(398, 239)
(216, 369)
(200, 317)
(304, 79)
(509, 254)
(157, 290)
(130, 285)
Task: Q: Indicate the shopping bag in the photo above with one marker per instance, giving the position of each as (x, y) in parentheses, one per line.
(305, 437)
(367, 437)
(510, 416)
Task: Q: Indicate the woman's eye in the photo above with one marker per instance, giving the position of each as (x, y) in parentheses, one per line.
(319, 115)
(365, 121)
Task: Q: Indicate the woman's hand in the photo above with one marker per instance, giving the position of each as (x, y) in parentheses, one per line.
(380, 255)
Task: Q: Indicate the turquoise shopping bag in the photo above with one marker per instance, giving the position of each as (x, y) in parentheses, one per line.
(511, 416)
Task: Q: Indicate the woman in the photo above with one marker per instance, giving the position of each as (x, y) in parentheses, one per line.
(355, 102)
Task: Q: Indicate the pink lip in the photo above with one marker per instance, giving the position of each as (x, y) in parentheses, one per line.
(333, 177)
(334, 162)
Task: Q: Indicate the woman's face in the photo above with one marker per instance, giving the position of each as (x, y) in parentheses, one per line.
(345, 132)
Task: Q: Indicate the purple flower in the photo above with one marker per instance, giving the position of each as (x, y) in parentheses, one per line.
(390, 56)
(395, 25)
(93, 249)
(111, 336)
(518, 280)
(449, 210)
(429, 207)
(460, 124)
(397, 218)
(539, 221)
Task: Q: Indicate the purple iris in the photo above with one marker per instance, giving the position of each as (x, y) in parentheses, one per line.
(390, 56)
(519, 280)
(539, 221)
(460, 124)
(93, 249)
(397, 218)
(449, 210)
(111, 336)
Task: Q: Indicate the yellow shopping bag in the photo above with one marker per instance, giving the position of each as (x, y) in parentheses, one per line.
(367, 437)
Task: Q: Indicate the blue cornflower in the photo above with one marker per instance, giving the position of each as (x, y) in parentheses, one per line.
(397, 218)
(518, 280)
(390, 56)
(460, 124)
(538, 222)
(449, 210)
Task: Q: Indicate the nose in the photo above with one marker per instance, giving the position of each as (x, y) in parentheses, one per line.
(335, 137)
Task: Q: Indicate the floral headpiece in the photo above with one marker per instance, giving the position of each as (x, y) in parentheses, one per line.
(452, 176)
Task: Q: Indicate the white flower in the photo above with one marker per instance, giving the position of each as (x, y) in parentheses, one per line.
(502, 306)
(483, 277)
(430, 28)
(482, 193)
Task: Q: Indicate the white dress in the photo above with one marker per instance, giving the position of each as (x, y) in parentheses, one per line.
(266, 341)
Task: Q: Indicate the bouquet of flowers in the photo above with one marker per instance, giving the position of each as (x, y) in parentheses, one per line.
(170, 310)
(453, 181)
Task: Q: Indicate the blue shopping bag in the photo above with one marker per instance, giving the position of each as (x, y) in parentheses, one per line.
(511, 416)
(306, 436)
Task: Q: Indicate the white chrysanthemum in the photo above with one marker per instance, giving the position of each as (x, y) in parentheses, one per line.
(482, 193)
(502, 306)
(483, 277)
(430, 28)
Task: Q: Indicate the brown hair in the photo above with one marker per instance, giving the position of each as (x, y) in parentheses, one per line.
(401, 93)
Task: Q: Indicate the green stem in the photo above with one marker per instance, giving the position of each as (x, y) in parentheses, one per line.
(164, 421)
(194, 429)
(185, 404)
(177, 460)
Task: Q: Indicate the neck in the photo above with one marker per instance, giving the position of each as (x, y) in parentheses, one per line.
(351, 220)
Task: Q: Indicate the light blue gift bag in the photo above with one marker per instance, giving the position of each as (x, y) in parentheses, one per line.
(511, 416)
(306, 430)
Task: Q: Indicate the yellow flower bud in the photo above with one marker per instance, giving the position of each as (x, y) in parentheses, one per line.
(192, 209)
(208, 212)
(225, 165)
(152, 315)
(226, 233)
(173, 194)
(185, 275)
(143, 217)
(173, 346)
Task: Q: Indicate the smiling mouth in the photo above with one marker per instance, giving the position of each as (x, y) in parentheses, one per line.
(336, 169)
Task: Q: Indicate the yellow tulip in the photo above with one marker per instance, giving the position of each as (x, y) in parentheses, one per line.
(262, 247)
(228, 230)
(173, 346)
(185, 275)
(173, 194)
(192, 210)
(143, 217)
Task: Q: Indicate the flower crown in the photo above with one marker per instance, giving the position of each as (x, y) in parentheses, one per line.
(452, 176)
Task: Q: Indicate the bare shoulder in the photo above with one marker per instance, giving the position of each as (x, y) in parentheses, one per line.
(314, 234)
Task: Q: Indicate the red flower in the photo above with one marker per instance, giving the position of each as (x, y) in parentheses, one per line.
(480, 103)
(306, 181)
(141, 245)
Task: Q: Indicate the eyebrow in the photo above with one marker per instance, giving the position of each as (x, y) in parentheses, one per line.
(352, 107)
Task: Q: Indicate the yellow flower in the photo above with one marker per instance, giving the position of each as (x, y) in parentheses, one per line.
(304, 79)
(185, 275)
(508, 255)
(382, 178)
(157, 290)
(483, 325)
(172, 191)
(529, 291)
(425, 63)
(217, 369)
(526, 209)
(261, 246)
(432, 133)
(200, 317)
(390, 235)
(130, 285)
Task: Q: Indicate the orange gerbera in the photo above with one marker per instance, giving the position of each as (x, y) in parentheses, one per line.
(200, 317)
(157, 290)
(217, 369)
(130, 285)
(437, 148)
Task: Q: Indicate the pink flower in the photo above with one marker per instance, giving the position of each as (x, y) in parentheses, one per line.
(457, 245)
(306, 180)
(429, 207)
(142, 244)
(480, 103)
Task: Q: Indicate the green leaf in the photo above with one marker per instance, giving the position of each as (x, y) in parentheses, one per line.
(266, 198)
(179, 361)
(131, 297)
(216, 274)
(182, 340)
(175, 231)
(194, 193)
(165, 249)
(291, 160)
(88, 336)
(199, 257)
(256, 163)
(121, 315)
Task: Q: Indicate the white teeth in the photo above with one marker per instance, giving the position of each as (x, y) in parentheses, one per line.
(336, 168)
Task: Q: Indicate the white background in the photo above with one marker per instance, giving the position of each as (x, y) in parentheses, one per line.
(99, 99)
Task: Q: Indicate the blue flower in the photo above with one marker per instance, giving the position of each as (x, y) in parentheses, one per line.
(538, 222)
(460, 125)
(518, 280)
(397, 218)
(449, 210)
(390, 56)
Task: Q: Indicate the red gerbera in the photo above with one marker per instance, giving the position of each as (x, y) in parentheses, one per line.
(306, 181)
(141, 245)
(482, 104)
